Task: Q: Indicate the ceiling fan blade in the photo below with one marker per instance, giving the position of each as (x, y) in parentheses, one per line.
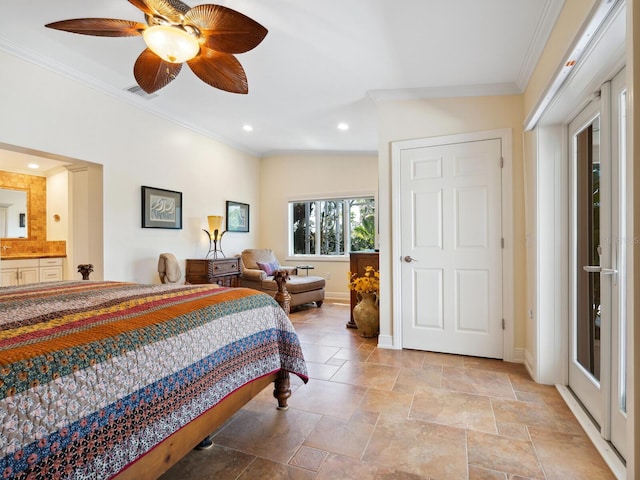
(224, 29)
(172, 10)
(152, 73)
(220, 70)
(100, 27)
(142, 6)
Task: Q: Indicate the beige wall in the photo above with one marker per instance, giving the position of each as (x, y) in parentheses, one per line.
(299, 176)
(58, 204)
(403, 120)
(48, 112)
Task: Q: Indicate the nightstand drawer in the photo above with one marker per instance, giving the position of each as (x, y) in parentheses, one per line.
(223, 271)
(226, 267)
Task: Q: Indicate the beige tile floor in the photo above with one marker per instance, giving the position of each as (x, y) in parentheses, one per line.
(369, 413)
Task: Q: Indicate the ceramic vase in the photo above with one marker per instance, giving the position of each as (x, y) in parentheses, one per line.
(366, 314)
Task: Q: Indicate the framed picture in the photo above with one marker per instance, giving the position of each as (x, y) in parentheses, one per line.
(237, 217)
(161, 208)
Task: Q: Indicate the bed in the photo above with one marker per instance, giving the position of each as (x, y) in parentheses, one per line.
(120, 380)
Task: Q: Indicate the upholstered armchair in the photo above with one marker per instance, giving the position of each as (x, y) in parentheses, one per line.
(257, 267)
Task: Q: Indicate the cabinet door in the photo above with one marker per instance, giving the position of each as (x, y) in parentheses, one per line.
(27, 275)
(9, 277)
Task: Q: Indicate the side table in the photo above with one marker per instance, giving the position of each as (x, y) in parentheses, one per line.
(222, 271)
(305, 267)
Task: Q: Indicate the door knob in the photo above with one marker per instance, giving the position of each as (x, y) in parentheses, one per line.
(409, 259)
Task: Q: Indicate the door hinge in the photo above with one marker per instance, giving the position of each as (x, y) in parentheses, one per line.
(502, 242)
(503, 325)
(501, 162)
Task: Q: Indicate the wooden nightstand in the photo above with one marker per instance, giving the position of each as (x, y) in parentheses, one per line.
(223, 271)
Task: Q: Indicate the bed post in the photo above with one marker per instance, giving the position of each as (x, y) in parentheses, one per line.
(282, 296)
(281, 389)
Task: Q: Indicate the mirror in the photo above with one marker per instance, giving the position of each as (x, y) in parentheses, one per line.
(13, 213)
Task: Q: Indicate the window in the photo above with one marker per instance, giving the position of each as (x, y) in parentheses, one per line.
(332, 227)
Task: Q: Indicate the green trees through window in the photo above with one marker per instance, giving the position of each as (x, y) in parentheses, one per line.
(332, 227)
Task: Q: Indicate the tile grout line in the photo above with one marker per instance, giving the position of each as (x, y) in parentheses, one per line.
(535, 450)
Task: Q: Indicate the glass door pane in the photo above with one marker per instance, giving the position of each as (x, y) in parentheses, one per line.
(588, 248)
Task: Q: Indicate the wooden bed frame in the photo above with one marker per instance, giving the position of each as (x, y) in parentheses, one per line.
(172, 449)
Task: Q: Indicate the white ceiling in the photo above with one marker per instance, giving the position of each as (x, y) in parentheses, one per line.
(19, 162)
(322, 62)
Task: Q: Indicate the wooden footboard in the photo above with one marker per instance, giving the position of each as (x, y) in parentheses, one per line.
(171, 450)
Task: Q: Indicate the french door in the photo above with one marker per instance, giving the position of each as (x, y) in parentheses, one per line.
(597, 368)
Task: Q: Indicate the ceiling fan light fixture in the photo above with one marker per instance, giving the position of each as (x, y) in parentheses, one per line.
(172, 44)
(206, 37)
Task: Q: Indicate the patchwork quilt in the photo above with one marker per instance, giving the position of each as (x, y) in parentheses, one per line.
(94, 374)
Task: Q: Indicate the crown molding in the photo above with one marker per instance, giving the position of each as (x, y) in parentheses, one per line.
(484, 90)
(320, 153)
(546, 22)
(600, 18)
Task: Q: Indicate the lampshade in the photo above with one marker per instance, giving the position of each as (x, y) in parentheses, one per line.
(215, 223)
(172, 44)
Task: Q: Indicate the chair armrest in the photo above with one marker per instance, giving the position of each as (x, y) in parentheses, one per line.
(253, 274)
(291, 270)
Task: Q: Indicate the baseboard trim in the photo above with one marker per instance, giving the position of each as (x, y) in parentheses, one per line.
(337, 297)
(386, 341)
(604, 449)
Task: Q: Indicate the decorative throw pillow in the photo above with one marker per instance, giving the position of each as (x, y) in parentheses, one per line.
(268, 268)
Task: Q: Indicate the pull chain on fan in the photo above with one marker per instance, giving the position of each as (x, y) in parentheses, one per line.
(206, 37)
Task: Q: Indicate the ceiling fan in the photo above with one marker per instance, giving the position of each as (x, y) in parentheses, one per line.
(205, 36)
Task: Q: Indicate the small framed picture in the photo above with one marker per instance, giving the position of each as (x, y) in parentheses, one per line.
(161, 208)
(237, 217)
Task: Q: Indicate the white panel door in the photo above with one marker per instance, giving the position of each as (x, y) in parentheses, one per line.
(450, 204)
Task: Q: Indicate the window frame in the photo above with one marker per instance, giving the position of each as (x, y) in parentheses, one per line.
(344, 198)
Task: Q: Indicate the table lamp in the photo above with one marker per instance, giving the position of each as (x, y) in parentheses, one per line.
(214, 234)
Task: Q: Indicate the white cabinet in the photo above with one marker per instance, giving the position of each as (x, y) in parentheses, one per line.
(50, 269)
(31, 270)
(20, 272)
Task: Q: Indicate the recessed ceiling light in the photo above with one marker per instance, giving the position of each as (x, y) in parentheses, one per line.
(247, 128)
(343, 126)
(33, 166)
